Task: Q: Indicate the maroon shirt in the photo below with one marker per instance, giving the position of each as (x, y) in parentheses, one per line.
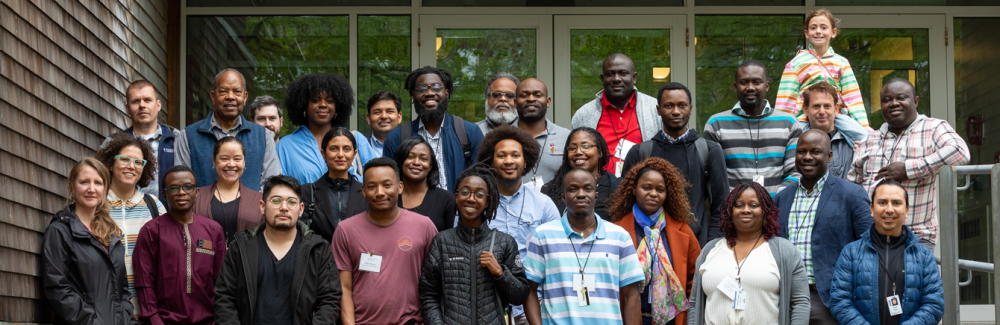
(175, 270)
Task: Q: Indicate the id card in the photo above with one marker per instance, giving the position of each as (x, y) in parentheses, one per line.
(740, 300)
(729, 287)
(583, 285)
(895, 305)
(536, 183)
(370, 263)
(758, 179)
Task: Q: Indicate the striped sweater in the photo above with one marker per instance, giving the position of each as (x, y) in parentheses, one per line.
(131, 215)
(762, 145)
(804, 70)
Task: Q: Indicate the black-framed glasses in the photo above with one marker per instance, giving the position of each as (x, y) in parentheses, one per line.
(276, 201)
(187, 188)
(498, 94)
(436, 87)
(124, 161)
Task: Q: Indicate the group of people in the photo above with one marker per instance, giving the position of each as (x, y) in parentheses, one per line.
(446, 221)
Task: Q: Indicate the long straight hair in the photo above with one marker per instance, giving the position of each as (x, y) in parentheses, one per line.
(102, 226)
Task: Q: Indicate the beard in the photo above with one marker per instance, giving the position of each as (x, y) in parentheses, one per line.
(283, 226)
(500, 118)
(748, 104)
(508, 183)
(431, 115)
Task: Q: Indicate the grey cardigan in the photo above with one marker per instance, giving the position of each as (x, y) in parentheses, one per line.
(794, 293)
(650, 123)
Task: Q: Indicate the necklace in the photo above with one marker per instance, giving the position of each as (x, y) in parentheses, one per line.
(225, 210)
(585, 228)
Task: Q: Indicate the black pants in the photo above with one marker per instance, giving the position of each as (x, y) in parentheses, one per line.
(819, 314)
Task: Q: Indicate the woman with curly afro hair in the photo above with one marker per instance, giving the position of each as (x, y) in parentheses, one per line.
(763, 274)
(318, 103)
(651, 204)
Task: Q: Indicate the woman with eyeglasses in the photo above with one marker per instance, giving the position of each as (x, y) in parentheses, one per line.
(418, 169)
(472, 273)
(227, 201)
(132, 166)
(83, 254)
(337, 195)
(585, 148)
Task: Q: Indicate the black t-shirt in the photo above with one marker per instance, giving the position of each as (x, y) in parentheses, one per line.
(438, 205)
(226, 214)
(274, 283)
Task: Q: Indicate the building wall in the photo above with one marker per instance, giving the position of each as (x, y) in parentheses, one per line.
(64, 67)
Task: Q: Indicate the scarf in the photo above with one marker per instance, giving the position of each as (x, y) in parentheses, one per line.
(667, 292)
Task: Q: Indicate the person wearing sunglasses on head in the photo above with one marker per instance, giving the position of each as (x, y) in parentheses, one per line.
(228, 201)
(178, 255)
(499, 102)
(132, 165)
(585, 149)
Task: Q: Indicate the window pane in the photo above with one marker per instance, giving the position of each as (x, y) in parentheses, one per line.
(383, 61)
(649, 50)
(552, 3)
(907, 3)
(723, 42)
(270, 52)
(749, 3)
(473, 56)
(294, 3)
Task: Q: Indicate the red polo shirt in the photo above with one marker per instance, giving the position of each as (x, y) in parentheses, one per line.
(617, 124)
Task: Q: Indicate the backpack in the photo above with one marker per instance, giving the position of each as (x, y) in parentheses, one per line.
(406, 131)
(700, 146)
(151, 205)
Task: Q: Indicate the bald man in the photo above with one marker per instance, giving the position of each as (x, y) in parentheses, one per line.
(532, 102)
(620, 112)
(820, 214)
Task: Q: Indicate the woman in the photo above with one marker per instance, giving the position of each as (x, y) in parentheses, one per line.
(317, 103)
(751, 256)
(132, 166)
(418, 169)
(227, 201)
(653, 207)
(83, 257)
(337, 196)
(472, 258)
(585, 148)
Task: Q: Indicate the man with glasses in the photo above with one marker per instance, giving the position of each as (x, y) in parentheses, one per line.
(279, 272)
(195, 144)
(177, 257)
(532, 103)
(510, 151)
(499, 102)
(384, 114)
(453, 140)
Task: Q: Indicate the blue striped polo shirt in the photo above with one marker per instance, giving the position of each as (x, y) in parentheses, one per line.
(552, 262)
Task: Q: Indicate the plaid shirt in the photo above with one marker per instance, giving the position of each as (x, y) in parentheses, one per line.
(801, 219)
(924, 147)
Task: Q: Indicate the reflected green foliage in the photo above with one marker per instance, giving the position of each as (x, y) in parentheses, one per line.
(383, 61)
(473, 56)
(648, 48)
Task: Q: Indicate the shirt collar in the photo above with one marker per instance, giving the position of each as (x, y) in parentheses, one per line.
(819, 184)
(812, 49)
(671, 139)
(420, 127)
(215, 124)
(155, 136)
(599, 233)
(547, 129)
(136, 197)
(374, 141)
(630, 105)
(738, 110)
(885, 126)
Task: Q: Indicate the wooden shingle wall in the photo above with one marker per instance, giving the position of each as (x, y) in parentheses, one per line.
(64, 67)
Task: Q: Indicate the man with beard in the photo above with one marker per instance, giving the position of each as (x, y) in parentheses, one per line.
(267, 112)
(910, 148)
(454, 141)
(510, 150)
(620, 112)
(195, 144)
(532, 102)
(757, 141)
(500, 93)
(384, 114)
(279, 272)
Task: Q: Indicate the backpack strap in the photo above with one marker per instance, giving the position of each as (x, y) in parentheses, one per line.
(405, 131)
(645, 150)
(463, 138)
(701, 147)
(151, 205)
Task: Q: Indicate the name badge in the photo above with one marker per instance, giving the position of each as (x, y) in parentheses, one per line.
(895, 306)
(618, 168)
(758, 179)
(536, 183)
(584, 284)
(740, 302)
(729, 287)
(370, 263)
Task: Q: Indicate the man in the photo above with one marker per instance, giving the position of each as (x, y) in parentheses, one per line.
(620, 112)
(820, 214)
(582, 288)
(819, 103)
(700, 161)
(143, 109)
(500, 92)
(195, 144)
(909, 148)
(887, 268)
(510, 150)
(757, 141)
(384, 114)
(279, 272)
(381, 252)
(454, 141)
(267, 112)
(177, 258)
(532, 102)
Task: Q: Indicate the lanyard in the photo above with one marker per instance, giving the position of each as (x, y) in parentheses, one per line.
(753, 144)
(584, 265)
(889, 274)
(739, 265)
(618, 147)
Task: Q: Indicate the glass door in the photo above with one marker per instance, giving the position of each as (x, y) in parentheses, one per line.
(656, 44)
(476, 47)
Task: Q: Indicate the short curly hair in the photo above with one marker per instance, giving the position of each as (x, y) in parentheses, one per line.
(768, 207)
(119, 141)
(529, 147)
(309, 87)
(676, 203)
(411, 80)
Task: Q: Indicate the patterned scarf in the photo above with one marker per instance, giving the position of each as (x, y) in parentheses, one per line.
(667, 292)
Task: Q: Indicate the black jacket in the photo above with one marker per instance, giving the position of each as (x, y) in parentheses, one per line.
(323, 222)
(316, 288)
(456, 289)
(606, 186)
(705, 200)
(84, 283)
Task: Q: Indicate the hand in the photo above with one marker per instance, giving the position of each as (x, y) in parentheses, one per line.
(895, 171)
(487, 260)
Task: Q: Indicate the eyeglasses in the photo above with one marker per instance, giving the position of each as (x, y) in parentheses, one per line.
(187, 188)
(498, 94)
(585, 147)
(465, 193)
(124, 161)
(421, 89)
(276, 201)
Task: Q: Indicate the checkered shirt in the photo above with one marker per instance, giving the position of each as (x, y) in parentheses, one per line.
(801, 219)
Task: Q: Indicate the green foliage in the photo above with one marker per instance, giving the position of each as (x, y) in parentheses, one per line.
(383, 61)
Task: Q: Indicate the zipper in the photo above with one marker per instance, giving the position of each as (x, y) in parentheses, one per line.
(188, 244)
(298, 292)
(246, 273)
(475, 276)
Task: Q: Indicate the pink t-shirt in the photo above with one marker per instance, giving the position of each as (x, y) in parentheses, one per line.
(390, 296)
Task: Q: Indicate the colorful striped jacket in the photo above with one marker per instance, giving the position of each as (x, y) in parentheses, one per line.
(804, 70)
